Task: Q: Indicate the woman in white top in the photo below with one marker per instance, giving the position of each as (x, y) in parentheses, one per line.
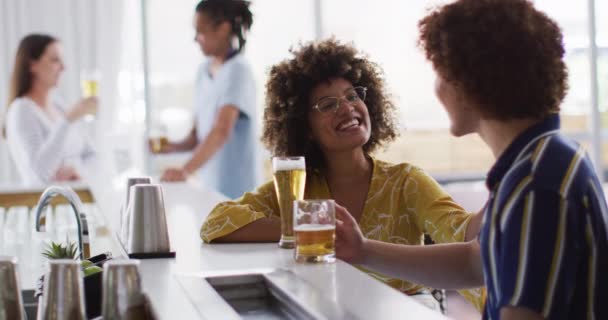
(42, 137)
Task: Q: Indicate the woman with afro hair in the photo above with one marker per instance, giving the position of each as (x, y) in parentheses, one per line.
(329, 104)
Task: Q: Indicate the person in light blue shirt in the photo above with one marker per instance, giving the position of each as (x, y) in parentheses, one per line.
(223, 139)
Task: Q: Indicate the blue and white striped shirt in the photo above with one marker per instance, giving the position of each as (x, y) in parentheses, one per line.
(544, 242)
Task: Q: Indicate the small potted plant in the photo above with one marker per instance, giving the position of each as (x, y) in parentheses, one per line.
(91, 269)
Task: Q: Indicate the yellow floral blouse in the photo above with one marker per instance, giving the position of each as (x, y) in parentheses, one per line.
(403, 204)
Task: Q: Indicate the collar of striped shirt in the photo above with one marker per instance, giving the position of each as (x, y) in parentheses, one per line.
(505, 161)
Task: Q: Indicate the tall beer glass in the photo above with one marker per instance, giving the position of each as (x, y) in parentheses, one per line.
(315, 229)
(289, 181)
(89, 82)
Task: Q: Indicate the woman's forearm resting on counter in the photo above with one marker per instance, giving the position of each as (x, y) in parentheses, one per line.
(261, 230)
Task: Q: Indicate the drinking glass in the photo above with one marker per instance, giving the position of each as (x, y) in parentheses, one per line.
(158, 138)
(315, 230)
(89, 82)
(89, 85)
(289, 182)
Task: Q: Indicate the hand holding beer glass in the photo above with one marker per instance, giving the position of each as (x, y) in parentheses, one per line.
(315, 229)
(289, 182)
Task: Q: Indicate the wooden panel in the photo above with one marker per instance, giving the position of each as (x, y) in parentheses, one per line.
(30, 199)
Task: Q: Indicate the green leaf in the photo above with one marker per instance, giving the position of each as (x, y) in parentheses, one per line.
(59, 251)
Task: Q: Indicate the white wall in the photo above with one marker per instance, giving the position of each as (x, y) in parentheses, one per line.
(90, 33)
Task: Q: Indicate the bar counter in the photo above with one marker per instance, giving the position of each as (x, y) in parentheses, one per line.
(177, 288)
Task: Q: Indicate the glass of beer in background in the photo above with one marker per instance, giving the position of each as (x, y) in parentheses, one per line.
(289, 182)
(89, 82)
(89, 85)
(315, 229)
(158, 137)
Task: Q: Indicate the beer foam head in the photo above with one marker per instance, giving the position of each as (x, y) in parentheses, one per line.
(314, 227)
(288, 163)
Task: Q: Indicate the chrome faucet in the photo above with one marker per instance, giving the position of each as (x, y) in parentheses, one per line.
(76, 204)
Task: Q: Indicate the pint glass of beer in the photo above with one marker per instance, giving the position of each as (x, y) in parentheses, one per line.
(289, 181)
(157, 136)
(89, 82)
(315, 229)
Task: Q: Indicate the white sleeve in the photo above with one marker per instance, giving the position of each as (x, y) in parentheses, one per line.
(86, 149)
(42, 152)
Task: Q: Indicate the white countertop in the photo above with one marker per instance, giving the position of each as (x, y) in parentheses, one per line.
(187, 204)
(187, 207)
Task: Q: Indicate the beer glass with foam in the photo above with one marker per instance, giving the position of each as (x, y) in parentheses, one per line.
(289, 182)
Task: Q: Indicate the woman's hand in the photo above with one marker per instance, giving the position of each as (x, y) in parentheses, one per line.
(174, 175)
(66, 173)
(350, 242)
(82, 108)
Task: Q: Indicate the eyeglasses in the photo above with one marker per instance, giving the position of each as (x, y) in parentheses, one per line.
(331, 104)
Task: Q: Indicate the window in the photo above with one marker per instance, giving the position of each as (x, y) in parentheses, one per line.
(387, 31)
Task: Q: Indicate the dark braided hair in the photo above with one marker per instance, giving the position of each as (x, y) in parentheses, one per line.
(236, 12)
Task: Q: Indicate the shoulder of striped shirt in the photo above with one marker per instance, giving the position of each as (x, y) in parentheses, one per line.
(516, 185)
(576, 170)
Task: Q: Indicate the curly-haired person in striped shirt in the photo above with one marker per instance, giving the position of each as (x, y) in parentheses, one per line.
(542, 252)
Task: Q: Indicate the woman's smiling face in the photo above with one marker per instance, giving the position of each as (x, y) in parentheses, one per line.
(339, 119)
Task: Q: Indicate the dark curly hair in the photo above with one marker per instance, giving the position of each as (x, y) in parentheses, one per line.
(286, 129)
(506, 56)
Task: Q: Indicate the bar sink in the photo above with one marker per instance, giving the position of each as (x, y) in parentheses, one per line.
(272, 294)
(254, 297)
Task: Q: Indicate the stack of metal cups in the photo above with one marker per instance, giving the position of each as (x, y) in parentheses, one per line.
(148, 231)
(11, 303)
(63, 295)
(124, 214)
(122, 295)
